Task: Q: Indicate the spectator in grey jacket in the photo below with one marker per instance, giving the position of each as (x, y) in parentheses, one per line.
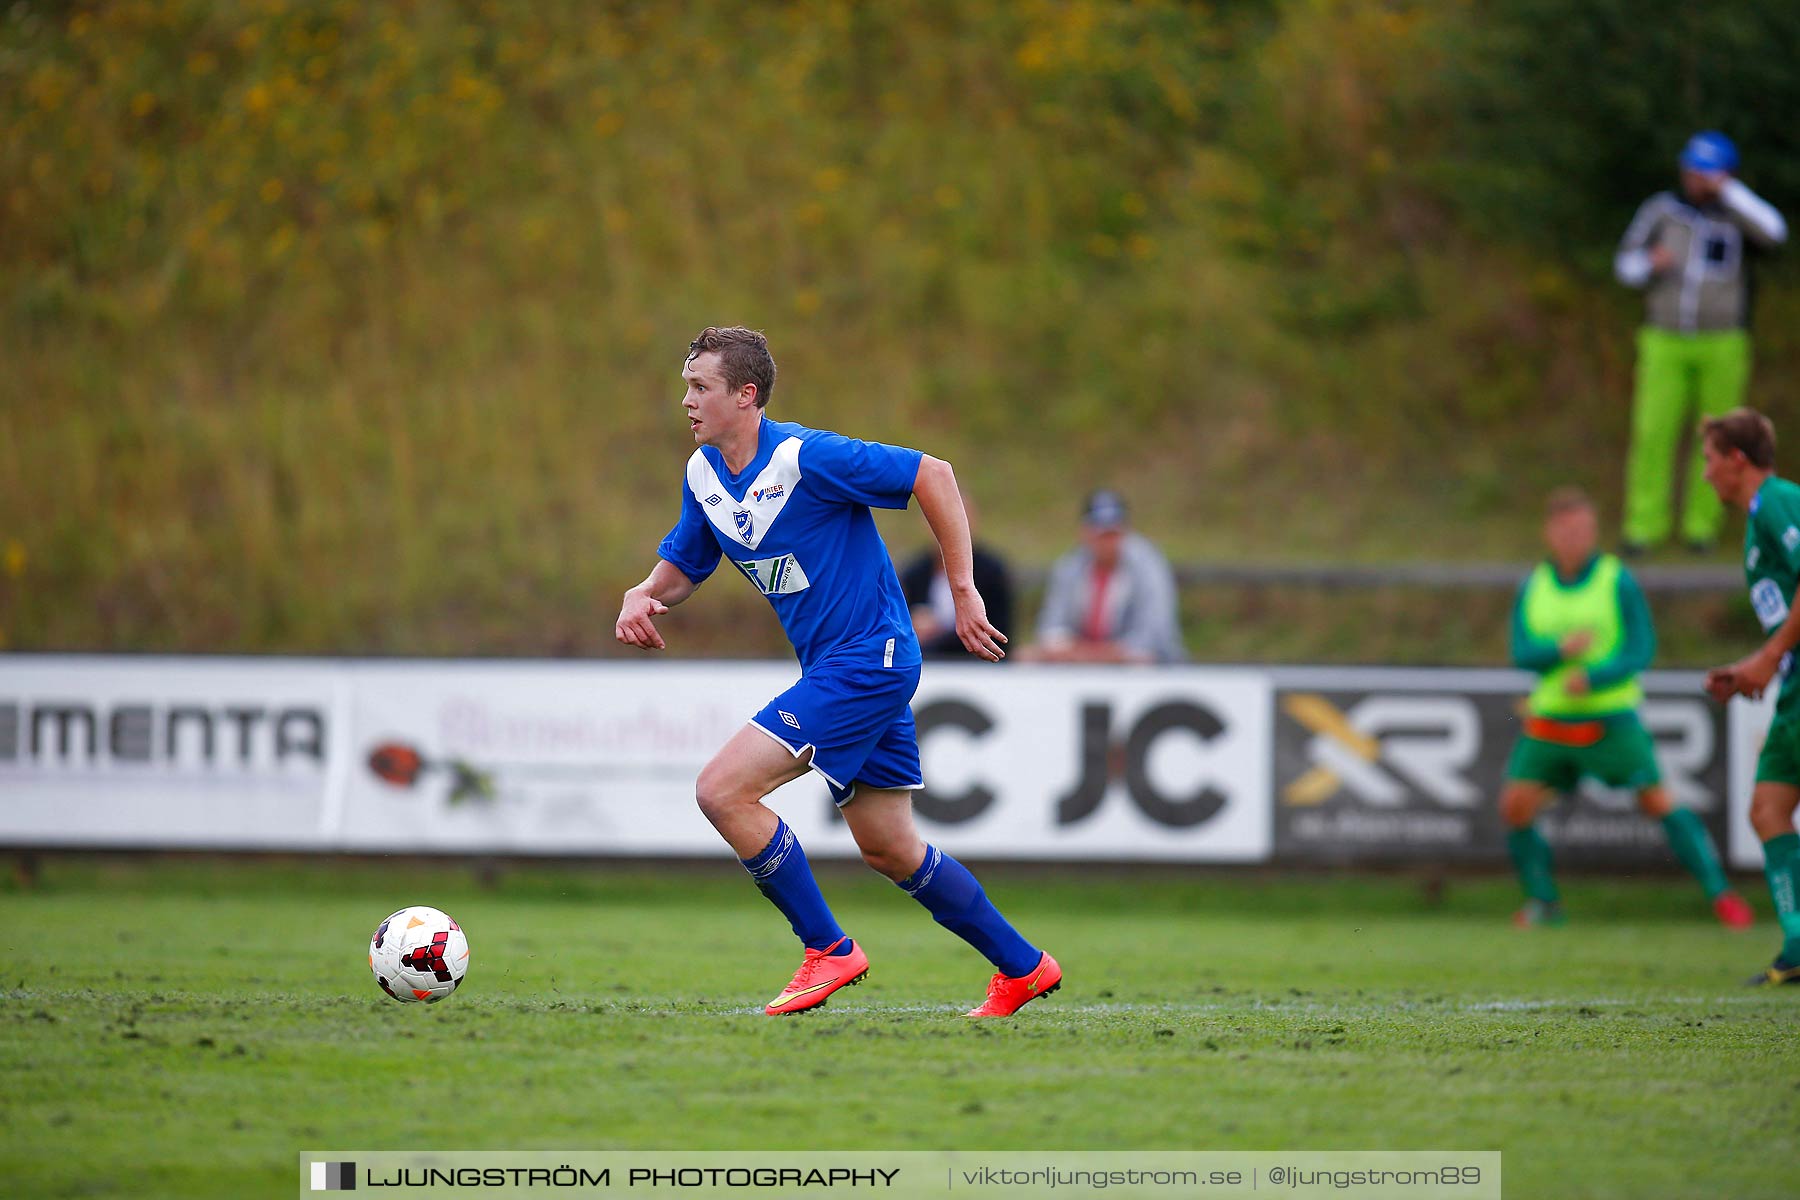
(1690, 254)
(1113, 599)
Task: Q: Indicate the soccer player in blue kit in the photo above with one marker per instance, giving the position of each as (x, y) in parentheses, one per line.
(789, 507)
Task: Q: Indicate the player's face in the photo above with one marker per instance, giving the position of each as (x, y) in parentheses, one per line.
(1572, 536)
(710, 405)
(1724, 470)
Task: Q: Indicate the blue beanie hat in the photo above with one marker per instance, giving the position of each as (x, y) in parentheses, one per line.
(1709, 151)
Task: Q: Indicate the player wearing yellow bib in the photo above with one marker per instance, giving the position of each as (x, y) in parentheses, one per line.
(1580, 622)
(1739, 451)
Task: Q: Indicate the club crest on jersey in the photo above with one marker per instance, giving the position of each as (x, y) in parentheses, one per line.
(773, 492)
(744, 527)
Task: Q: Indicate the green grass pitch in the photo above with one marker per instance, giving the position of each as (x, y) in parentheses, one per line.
(188, 1028)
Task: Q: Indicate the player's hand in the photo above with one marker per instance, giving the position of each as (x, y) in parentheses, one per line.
(635, 628)
(1577, 682)
(1661, 259)
(1721, 684)
(1752, 675)
(1575, 644)
(977, 634)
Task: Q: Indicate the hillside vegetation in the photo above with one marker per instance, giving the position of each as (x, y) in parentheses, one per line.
(341, 328)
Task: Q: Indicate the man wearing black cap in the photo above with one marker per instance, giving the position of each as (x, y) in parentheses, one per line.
(1112, 599)
(1689, 255)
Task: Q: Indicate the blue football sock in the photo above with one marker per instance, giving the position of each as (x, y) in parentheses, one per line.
(782, 872)
(956, 901)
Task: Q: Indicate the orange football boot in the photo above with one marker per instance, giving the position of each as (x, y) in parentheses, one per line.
(820, 975)
(1007, 995)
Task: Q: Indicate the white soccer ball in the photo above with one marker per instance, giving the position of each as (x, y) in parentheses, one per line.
(419, 953)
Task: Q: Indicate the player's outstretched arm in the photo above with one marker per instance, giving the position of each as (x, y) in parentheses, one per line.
(664, 588)
(942, 505)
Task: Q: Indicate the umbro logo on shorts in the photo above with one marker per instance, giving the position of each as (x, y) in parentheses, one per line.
(790, 718)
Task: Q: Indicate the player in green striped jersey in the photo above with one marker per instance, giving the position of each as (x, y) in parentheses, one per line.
(1739, 450)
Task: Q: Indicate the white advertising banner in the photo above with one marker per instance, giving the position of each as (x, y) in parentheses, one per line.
(1749, 725)
(225, 753)
(520, 757)
(1096, 762)
(547, 758)
(600, 758)
(1018, 762)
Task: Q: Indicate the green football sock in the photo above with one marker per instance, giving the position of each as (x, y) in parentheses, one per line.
(1781, 865)
(1694, 847)
(1531, 858)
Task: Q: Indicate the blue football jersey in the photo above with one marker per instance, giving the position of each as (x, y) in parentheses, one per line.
(796, 523)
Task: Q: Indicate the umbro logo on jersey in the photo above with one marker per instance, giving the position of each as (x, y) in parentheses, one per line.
(789, 717)
(773, 492)
(744, 526)
(714, 498)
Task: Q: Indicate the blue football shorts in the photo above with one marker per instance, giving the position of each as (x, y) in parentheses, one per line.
(857, 719)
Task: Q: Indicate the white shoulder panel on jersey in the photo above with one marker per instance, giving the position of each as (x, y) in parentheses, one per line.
(746, 523)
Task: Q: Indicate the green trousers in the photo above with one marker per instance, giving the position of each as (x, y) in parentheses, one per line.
(1677, 374)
